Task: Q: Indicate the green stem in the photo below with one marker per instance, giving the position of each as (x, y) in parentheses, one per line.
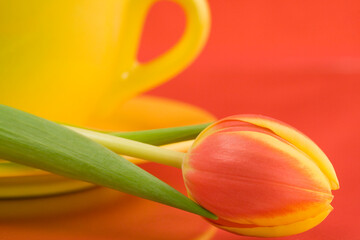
(133, 148)
(162, 136)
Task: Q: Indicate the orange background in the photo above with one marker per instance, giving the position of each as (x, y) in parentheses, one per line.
(297, 61)
(294, 60)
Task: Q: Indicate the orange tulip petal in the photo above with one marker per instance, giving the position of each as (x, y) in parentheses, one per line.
(226, 168)
(297, 138)
(279, 231)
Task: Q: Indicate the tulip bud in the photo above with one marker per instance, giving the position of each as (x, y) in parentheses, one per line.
(261, 177)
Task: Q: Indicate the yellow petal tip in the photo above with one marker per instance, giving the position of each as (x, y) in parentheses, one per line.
(334, 183)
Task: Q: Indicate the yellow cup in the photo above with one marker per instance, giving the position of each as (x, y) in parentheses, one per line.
(67, 60)
(70, 60)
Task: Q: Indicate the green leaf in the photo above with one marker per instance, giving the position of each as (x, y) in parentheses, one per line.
(39, 143)
(164, 136)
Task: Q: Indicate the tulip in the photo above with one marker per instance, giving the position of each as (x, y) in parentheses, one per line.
(260, 176)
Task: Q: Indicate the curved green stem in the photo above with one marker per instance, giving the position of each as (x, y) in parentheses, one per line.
(135, 149)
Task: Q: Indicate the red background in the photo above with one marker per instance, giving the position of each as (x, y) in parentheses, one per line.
(298, 61)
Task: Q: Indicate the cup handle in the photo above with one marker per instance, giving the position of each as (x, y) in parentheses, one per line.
(158, 70)
(144, 76)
